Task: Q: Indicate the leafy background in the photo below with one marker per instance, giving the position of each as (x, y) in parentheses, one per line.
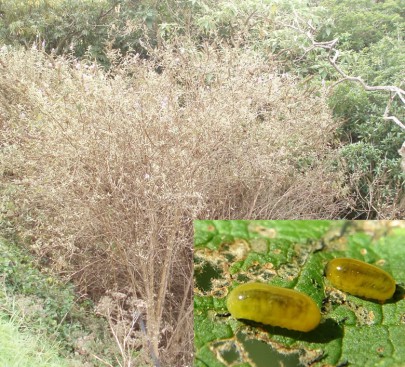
(353, 331)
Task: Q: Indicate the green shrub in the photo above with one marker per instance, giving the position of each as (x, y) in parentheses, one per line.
(371, 47)
(364, 22)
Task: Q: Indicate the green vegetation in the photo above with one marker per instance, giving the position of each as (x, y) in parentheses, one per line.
(372, 44)
(41, 321)
(26, 349)
(78, 27)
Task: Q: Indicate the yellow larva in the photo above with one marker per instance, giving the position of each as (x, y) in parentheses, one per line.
(360, 279)
(274, 306)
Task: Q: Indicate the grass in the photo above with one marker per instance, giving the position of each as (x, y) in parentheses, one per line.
(41, 316)
(24, 348)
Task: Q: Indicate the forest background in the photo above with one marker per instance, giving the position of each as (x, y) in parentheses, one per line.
(122, 121)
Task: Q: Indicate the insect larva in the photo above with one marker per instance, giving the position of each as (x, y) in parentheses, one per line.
(360, 279)
(274, 306)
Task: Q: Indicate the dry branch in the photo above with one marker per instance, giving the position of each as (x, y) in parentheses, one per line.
(333, 56)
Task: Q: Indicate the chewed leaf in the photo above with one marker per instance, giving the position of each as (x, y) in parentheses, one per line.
(292, 255)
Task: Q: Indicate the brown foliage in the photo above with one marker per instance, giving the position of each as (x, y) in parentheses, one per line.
(108, 170)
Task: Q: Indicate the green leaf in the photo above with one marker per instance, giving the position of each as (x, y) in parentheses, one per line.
(293, 254)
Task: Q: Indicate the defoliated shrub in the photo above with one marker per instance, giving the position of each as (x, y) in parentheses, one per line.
(112, 168)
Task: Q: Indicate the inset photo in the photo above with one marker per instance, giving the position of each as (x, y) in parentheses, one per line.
(299, 293)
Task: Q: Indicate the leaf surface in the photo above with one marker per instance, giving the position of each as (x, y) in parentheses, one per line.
(293, 254)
